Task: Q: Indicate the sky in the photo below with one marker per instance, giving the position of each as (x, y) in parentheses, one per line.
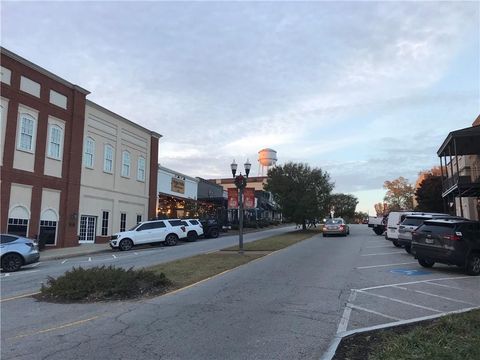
(367, 91)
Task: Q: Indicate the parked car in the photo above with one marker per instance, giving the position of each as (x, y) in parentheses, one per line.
(211, 229)
(194, 229)
(448, 241)
(377, 223)
(17, 251)
(395, 218)
(335, 226)
(410, 223)
(148, 232)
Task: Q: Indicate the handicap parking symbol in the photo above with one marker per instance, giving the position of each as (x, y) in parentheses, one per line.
(410, 272)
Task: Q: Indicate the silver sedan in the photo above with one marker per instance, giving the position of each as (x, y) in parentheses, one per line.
(17, 251)
(336, 226)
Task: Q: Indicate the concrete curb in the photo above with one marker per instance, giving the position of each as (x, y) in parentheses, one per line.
(47, 257)
(332, 349)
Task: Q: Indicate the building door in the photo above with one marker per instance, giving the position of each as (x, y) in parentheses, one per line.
(48, 231)
(87, 229)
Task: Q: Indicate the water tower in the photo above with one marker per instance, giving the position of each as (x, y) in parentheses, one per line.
(266, 159)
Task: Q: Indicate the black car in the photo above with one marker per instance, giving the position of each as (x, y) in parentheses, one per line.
(448, 241)
(211, 228)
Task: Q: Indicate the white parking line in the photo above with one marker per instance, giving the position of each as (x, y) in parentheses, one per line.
(399, 301)
(388, 253)
(434, 295)
(381, 246)
(416, 282)
(35, 265)
(19, 273)
(114, 256)
(443, 285)
(89, 259)
(64, 261)
(385, 265)
(342, 326)
(375, 312)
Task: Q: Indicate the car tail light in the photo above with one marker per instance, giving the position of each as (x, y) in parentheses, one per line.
(453, 237)
(414, 233)
(342, 227)
(183, 228)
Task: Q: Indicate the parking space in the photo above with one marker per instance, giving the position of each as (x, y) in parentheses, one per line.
(390, 286)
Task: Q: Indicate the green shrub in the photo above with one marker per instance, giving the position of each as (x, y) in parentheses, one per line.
(103, 283)
(234, 227)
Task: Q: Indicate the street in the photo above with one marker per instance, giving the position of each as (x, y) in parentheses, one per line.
(288, 305)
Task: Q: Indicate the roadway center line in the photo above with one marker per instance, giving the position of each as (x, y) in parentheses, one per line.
(399, 301)
(375, 312)
(388, 253)
(19, 296)
(54, 328)
(434, 295)
(385, 265)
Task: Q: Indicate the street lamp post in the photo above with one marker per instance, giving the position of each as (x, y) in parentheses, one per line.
(240, 183)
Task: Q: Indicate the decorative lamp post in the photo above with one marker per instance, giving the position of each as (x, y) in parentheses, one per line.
(240, 183)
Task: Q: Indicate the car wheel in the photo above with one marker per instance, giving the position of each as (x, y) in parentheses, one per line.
(395, 242)
(12, 262)
(125, 245)
(192, 236)
(171, 240)
(426, 263)
(408, 249)
(324, 235)
(473, 265)
(214, 233)
(378, 231)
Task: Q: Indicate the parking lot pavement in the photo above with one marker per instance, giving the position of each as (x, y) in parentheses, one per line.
(388, 286)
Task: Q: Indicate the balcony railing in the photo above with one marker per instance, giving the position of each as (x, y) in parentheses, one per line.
(466, 179)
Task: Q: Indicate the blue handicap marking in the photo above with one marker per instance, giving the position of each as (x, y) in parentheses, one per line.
(409, 272)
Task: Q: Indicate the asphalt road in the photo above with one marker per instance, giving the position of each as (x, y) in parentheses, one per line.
(288, 305)
(30, 278)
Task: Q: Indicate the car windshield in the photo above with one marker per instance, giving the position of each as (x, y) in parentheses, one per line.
(134, 227)
(333, 221)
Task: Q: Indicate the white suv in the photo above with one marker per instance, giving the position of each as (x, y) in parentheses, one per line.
(194, 229)
(147, 232)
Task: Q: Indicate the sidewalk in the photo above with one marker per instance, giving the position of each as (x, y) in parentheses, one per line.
(89, 249)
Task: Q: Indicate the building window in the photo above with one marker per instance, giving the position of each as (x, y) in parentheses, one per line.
(139, 219)
(126, 164)
(108, 159)
(89, 152)
(55, 142)
(27, 125)
(17, 226)
(141, 169)
(105, 223)
(123, 221)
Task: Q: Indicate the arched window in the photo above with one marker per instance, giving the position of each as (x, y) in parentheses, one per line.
(108, 159)
(141, 169)
(126, 163)
(55, 142)
(89, 155)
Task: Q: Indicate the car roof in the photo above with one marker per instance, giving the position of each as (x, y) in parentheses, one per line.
(429, 216)
(449, 221)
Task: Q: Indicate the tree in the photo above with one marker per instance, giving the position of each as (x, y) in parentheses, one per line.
(344, 205)
(360, 216)
(399, 194)
(303, 193)
(429, 194)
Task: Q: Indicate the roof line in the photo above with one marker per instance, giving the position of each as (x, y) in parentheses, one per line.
(42, 70)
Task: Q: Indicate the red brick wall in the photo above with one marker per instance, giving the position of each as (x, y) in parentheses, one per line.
(477, 121)
(69, 183)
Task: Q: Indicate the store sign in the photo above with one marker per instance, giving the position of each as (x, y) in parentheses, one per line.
(249, 198)
(178, 186)
(233, 198)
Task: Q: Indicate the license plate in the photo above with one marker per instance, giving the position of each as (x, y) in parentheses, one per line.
(428, 241)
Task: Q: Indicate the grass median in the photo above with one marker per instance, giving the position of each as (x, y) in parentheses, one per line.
(453, 337)
(190, 270)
